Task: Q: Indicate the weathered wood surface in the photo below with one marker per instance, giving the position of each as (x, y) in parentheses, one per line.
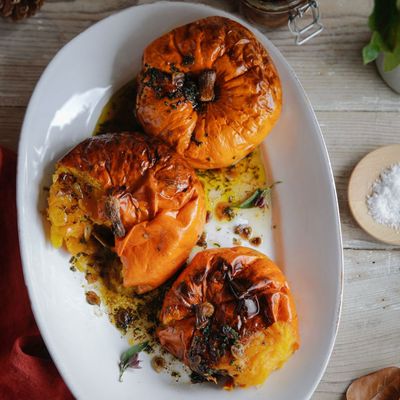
(368, 337)
(357, 113)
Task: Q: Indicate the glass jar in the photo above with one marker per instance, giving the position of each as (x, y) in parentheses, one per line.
(274, 13)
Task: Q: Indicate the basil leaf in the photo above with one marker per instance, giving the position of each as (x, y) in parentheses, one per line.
(129, 358)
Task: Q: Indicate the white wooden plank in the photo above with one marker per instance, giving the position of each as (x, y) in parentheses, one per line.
(349, 137)
(369, 332)
(330, 66)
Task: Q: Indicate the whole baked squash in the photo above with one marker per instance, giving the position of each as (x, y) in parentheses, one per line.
(209, 89)
(230, 315)
(134, 194)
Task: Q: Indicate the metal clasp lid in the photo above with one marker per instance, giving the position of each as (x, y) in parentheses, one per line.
(305, 33)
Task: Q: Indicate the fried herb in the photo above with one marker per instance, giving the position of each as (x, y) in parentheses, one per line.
(236, 241)
(158, 363)
(230, 334)
(187, 60)
(175, 374)
(197, 378)
(156, 79)
(130, 358)
(191, 91)
(123, 318)
(172, 85)
(228, 213)
(202, 242)
(209, 345)
(92, 298)
(256, 241)
(244, 231)
(195, 141)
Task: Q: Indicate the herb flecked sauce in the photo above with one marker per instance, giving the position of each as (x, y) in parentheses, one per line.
(136, 316)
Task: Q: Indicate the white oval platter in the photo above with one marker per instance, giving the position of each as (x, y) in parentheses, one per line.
(307, 242)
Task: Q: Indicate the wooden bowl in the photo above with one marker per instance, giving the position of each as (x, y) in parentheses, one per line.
(364, 175)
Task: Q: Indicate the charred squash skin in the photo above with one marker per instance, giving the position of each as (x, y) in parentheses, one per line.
(210, 90)
(140, 189)
(230, 314)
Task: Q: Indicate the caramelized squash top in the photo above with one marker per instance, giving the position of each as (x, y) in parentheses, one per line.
(222, 298)
(146, 193)
(210, 89)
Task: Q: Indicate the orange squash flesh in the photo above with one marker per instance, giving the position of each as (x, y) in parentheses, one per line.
(246, 102)
(137, 188)
(230, 314)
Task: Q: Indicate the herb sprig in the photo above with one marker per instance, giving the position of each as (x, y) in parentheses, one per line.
(130, 358)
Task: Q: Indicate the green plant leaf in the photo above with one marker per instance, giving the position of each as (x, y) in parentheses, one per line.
(370, 53)
(373, 48)
(129, 358)
(372, 21)
(391, 60)
(384, 23)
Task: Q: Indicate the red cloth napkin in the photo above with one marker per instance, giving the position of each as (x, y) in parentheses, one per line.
(26, 369)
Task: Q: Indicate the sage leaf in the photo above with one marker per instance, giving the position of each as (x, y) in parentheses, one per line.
(130, 358)
(259, 198)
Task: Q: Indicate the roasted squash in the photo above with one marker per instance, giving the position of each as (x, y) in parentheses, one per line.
(209, 89)
(230, 316)
(134, 194)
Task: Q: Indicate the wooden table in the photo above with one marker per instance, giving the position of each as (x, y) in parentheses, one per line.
(357, 113)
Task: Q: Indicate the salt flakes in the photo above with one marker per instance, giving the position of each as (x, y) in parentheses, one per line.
(384, 201)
